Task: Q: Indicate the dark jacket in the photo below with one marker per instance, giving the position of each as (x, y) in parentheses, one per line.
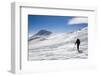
(77, 41)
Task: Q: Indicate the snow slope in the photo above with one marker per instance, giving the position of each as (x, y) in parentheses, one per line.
(59, 46)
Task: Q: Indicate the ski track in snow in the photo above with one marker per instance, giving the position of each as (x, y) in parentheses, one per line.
(59, 47)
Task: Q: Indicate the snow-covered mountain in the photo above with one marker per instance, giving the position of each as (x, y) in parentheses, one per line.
(45, 45)
(42, 35)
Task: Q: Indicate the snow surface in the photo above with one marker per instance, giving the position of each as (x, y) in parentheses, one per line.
(59, 46)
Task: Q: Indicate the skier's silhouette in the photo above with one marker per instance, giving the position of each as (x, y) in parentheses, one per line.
(78, 44)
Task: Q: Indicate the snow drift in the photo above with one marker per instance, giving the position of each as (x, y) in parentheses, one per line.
(45, 45)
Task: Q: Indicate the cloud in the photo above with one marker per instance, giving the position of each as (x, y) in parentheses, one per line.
(78, 20)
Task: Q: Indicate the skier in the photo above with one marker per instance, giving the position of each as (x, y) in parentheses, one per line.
(78, 44)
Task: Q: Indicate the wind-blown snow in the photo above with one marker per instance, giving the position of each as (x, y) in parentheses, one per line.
(59, 46)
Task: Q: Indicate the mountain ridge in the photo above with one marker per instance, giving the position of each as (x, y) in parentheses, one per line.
(40, 34)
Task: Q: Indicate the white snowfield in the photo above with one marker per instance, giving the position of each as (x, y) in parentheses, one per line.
(59, 46)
